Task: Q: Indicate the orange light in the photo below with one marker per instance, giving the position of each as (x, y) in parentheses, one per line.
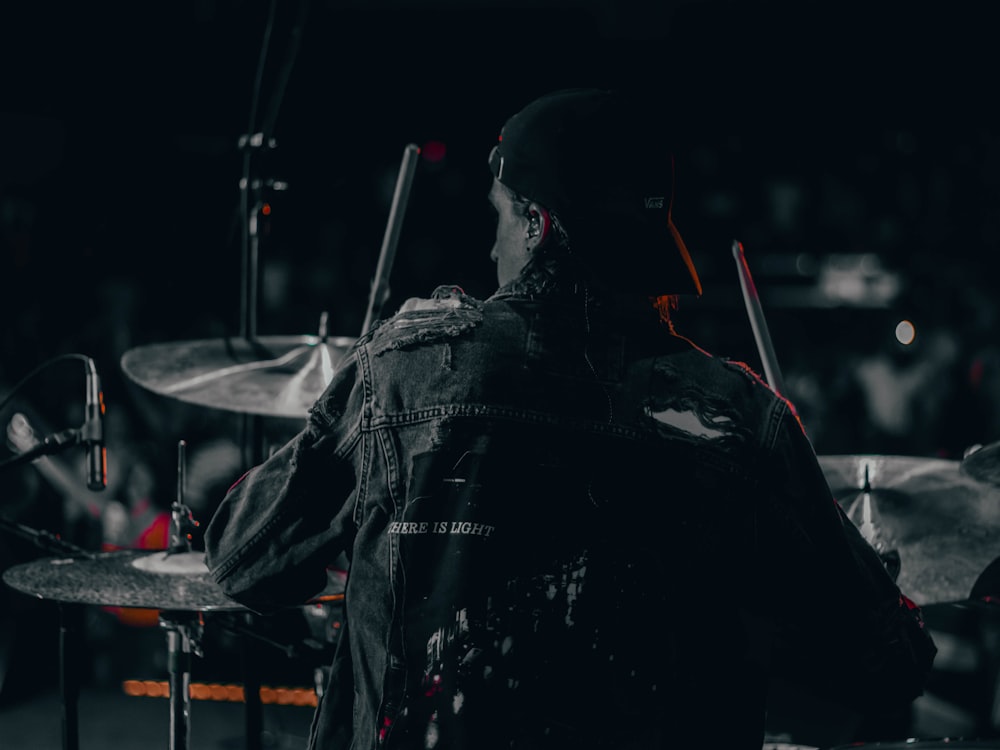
(200, 692)
(133, 687)
(282, 696)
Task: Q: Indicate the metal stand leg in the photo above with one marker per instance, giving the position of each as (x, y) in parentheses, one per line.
(69, 678)
(251, 693)
(179, 628)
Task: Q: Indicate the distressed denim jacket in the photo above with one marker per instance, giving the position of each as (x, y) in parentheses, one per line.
(568, 527)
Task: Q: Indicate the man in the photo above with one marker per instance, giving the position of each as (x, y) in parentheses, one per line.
(568, 527)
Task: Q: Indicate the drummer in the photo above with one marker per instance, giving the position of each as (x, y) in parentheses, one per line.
(568, 525)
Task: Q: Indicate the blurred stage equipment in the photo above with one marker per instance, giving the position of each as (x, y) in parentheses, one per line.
(90, 434)
(941, 743)
(259, 377)
(174, 581)
(939, 525)
(265, 376)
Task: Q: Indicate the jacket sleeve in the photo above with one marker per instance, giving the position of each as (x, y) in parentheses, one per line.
(283, 522)
(844, 629)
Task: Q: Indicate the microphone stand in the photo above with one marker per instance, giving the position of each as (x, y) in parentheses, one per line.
(253, 206)
(52, 444)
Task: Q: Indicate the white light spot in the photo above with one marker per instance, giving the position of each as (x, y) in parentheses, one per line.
(457, 701)
(431, 737)
(506, 646)
(905, 332)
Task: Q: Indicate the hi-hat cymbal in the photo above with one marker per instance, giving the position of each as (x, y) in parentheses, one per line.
(162, 580)
(944, 524)
(130, 578)
(270, 376)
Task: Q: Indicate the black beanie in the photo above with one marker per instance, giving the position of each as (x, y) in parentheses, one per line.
(597, 159)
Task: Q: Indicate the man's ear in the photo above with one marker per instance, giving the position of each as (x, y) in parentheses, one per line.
(539, 224)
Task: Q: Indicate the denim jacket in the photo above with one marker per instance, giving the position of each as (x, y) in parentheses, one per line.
(568, 527)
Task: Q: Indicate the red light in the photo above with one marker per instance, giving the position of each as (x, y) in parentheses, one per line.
(433, 151)
(266, 209)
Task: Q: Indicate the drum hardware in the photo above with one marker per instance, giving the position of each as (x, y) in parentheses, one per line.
(174, 581)
(872, 531)
(70, 621)
(90, 434)
(983, 462)
(913, 743)
(258, 377)
(943, 524)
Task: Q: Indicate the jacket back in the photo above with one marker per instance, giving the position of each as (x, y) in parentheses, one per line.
(568, 527)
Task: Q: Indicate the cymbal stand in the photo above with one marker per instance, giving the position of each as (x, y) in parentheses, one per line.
(180, 639)
(69, 628)
(184, 630)
(70, 619)
(870, 528)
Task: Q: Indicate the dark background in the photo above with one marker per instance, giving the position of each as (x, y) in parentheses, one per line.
(850, 146)
(852, 136)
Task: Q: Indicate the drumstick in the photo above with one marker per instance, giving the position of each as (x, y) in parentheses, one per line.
(380, 286)
(757, 322)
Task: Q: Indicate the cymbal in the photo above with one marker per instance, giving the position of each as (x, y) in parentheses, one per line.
(130, 578)
(270, 376)
(943, 523)
(983, 463)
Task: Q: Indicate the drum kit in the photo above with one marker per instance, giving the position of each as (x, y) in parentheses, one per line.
(259, 377)
(936, 522)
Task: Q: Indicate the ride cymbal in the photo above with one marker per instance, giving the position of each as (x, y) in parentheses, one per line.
(943, 523)
(270, 376)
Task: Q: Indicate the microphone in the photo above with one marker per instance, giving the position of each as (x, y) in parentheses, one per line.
(92, 433)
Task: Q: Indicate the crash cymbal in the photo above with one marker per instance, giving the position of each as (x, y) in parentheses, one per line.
(982, 462)
(943, 523)
(131, 578)
(270, 376)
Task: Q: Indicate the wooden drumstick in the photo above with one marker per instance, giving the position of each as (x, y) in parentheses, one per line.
(380, 286)
(757, 322)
